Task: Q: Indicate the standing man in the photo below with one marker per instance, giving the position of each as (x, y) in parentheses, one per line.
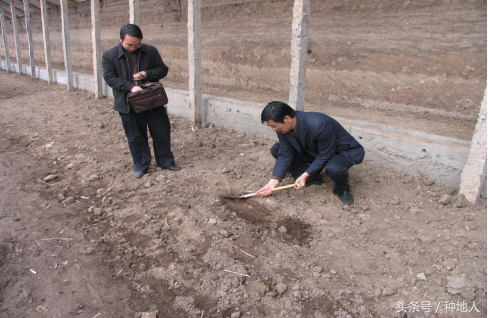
(308, 143)
(123, 66)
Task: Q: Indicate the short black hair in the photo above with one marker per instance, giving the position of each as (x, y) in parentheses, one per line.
(277, 111)
(132, 30)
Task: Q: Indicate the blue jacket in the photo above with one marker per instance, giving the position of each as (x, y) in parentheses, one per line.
(116, 71)
(322, 137)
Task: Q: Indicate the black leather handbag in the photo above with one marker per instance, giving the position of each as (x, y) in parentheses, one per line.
(151, 96)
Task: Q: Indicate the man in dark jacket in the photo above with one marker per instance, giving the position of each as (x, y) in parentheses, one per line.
(308, 143)
(123, 67)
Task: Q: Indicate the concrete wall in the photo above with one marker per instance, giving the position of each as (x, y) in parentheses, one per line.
(419, 57)
(436, 157)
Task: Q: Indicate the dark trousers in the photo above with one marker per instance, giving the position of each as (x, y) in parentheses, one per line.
(336, 168)
(136, 125)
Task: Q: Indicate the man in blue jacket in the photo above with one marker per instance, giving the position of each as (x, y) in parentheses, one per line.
(308, 143)
(123, 66)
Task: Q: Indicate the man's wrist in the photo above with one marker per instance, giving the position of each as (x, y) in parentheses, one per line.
(273, 182)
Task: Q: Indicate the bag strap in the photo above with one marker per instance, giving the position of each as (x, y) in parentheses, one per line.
(144, 79)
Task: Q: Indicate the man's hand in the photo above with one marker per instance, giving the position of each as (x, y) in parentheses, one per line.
(268, 189)
(135, 89)
(140, 76)
(301, 181)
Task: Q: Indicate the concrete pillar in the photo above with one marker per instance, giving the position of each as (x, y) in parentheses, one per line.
(97, 58)
(194, 59)
(299, 45)
(474, 172)
(16, 36)
(5, 41)
(134, 16)
(29, 37)
(47, 47)
(66, 43)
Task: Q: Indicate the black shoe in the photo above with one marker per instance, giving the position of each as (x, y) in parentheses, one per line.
(346, 197)
(139, 174)
(173, 167)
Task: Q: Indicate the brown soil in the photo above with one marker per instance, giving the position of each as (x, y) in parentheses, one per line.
(81, 237)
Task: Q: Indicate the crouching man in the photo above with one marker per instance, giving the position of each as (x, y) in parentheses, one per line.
(308, 143)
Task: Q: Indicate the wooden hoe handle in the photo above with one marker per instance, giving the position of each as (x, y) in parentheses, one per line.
(280, 188)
